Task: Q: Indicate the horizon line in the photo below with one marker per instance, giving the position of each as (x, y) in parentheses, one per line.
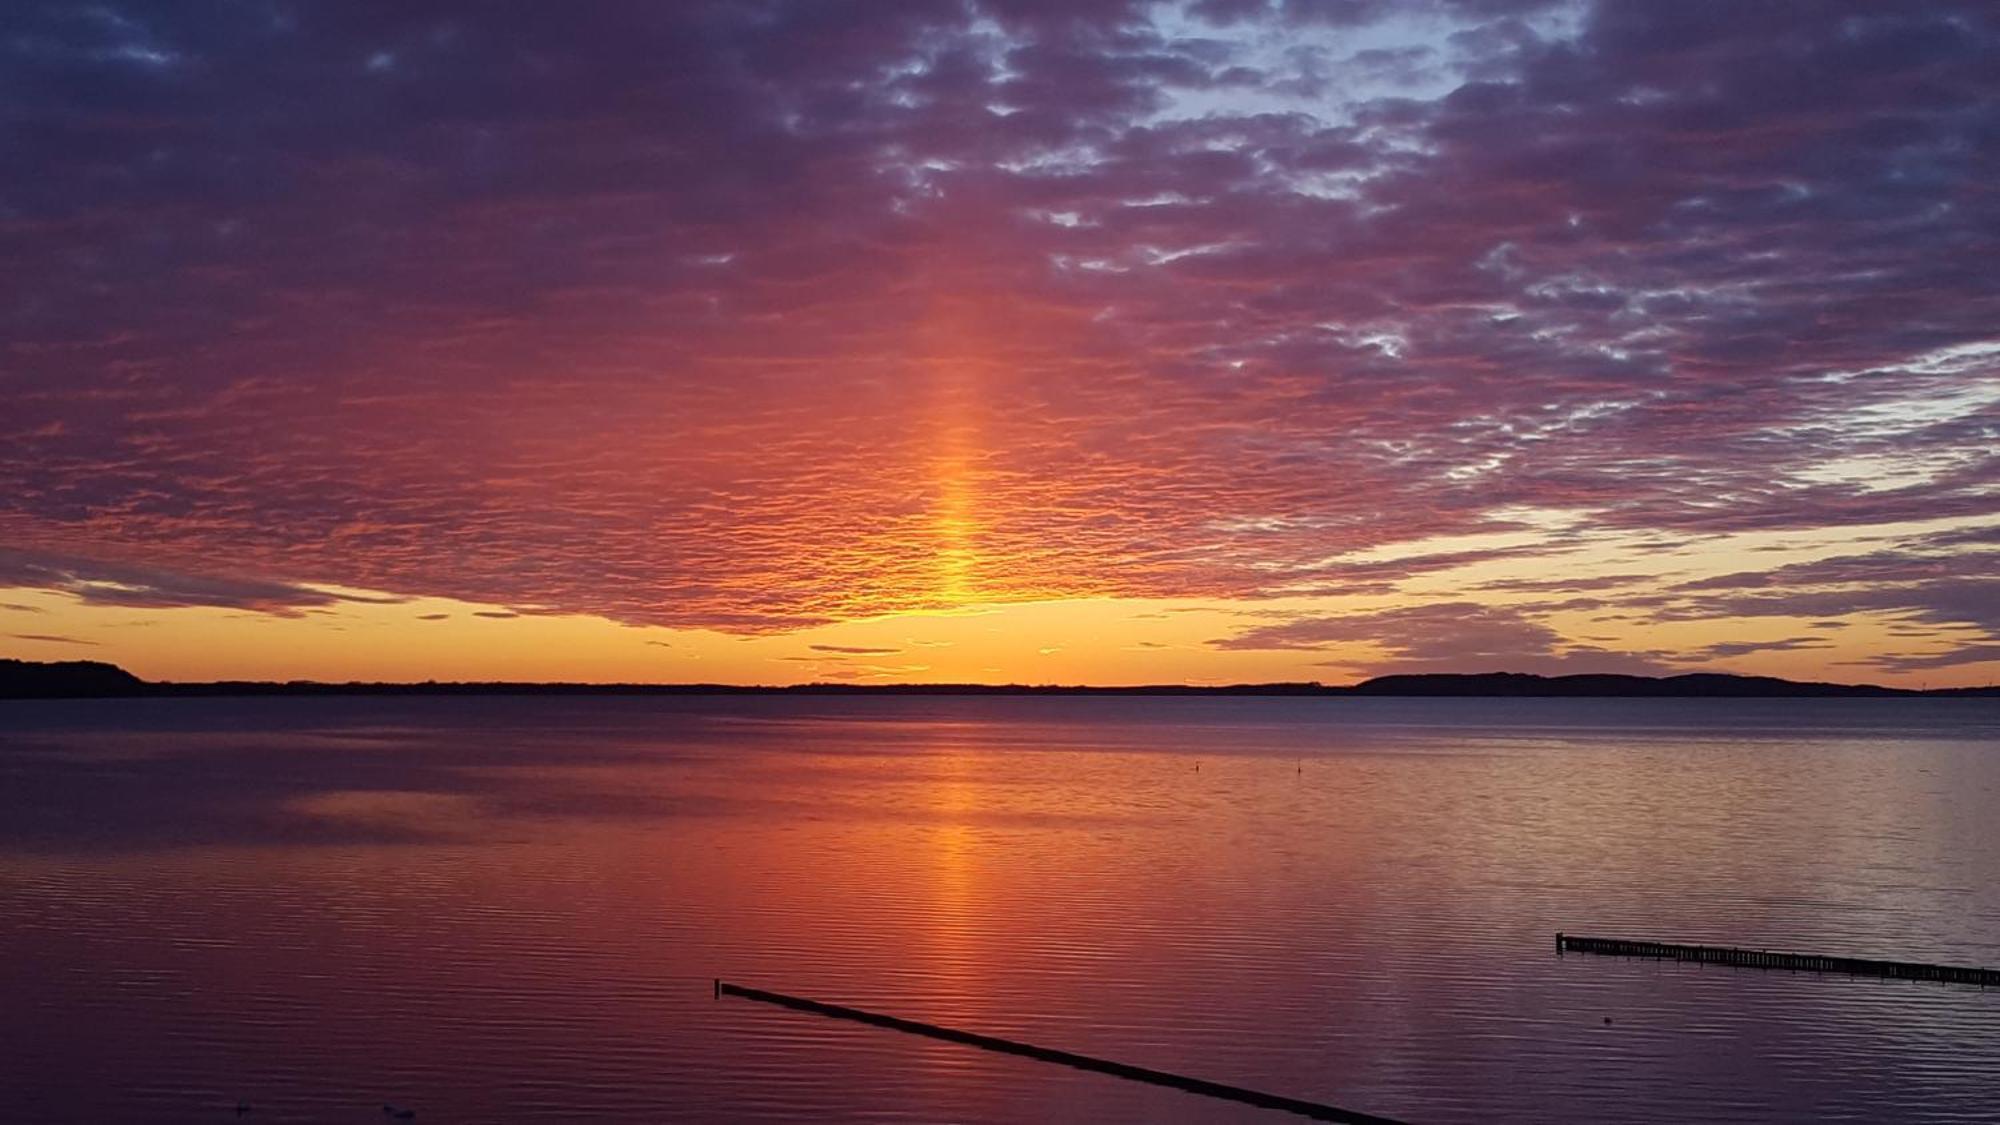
(107, 678)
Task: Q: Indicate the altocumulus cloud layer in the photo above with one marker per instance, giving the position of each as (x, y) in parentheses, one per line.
(751, 315)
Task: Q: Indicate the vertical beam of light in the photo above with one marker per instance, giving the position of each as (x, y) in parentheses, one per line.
(952, 350)
(954, 524)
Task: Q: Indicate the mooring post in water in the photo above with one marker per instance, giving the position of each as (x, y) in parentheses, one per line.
(1313, 1110)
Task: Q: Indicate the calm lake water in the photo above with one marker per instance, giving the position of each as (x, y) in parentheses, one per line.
(510, 910)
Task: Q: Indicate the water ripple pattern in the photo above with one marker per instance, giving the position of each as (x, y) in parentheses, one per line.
(510, 910)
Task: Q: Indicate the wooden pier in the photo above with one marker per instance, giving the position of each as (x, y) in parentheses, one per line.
(1313, 1110)
(1770, 959)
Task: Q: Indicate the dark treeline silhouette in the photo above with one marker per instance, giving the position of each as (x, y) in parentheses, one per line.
(67, 679)
(77, 679)
(1693, 685)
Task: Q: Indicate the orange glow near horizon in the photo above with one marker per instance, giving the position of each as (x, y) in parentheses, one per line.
(1041, 641)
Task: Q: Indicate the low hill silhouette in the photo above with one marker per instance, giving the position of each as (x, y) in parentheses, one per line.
(66, 679)
(23, 679)
(1693, 685)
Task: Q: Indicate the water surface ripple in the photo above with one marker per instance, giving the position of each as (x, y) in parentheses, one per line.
(510, 909)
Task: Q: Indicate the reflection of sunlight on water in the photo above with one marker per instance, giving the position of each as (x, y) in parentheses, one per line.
(955, 931)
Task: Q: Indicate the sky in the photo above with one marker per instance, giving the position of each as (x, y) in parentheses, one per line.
(1079, 341)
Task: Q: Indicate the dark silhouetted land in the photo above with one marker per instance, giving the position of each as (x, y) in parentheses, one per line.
(67, 679)
(1693, 685)
(89, 679)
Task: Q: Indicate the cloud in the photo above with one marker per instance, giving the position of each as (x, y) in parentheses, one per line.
(1872, 569)
(51, 638)
(1951, 598)
(1440, 636)
(1936, 590)
(1418, 631)
(115, 584)
(854, 650)
(495, 614)
(1924, 662)
(433, 616)
(1744, 648)
(756, 317)
(1565, 585)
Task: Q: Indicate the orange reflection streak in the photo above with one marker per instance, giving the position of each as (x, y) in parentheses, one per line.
(959, 957)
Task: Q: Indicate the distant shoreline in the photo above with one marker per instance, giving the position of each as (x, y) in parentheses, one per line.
(83, 679)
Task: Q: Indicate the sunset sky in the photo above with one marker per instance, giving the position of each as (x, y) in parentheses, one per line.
(1083, 341)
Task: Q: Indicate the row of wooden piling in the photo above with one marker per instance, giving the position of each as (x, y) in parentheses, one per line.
(1772, 959)
(1565, 943)
(1313, 1110)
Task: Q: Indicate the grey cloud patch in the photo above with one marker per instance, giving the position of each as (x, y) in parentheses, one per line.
(433, 616)
(1744, 648)
(1966, 654)
(1417, 631)
(1961, 602)
(1564, 585)
(145, 587)
(51, 638)
(1970, 536)
(1447, 635)
(1893, 566)
(1933, 589)
(495, 614)
(1383, 574)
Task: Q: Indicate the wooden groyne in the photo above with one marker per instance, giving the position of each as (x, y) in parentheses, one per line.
(1313, 1110)
(1770, 959)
